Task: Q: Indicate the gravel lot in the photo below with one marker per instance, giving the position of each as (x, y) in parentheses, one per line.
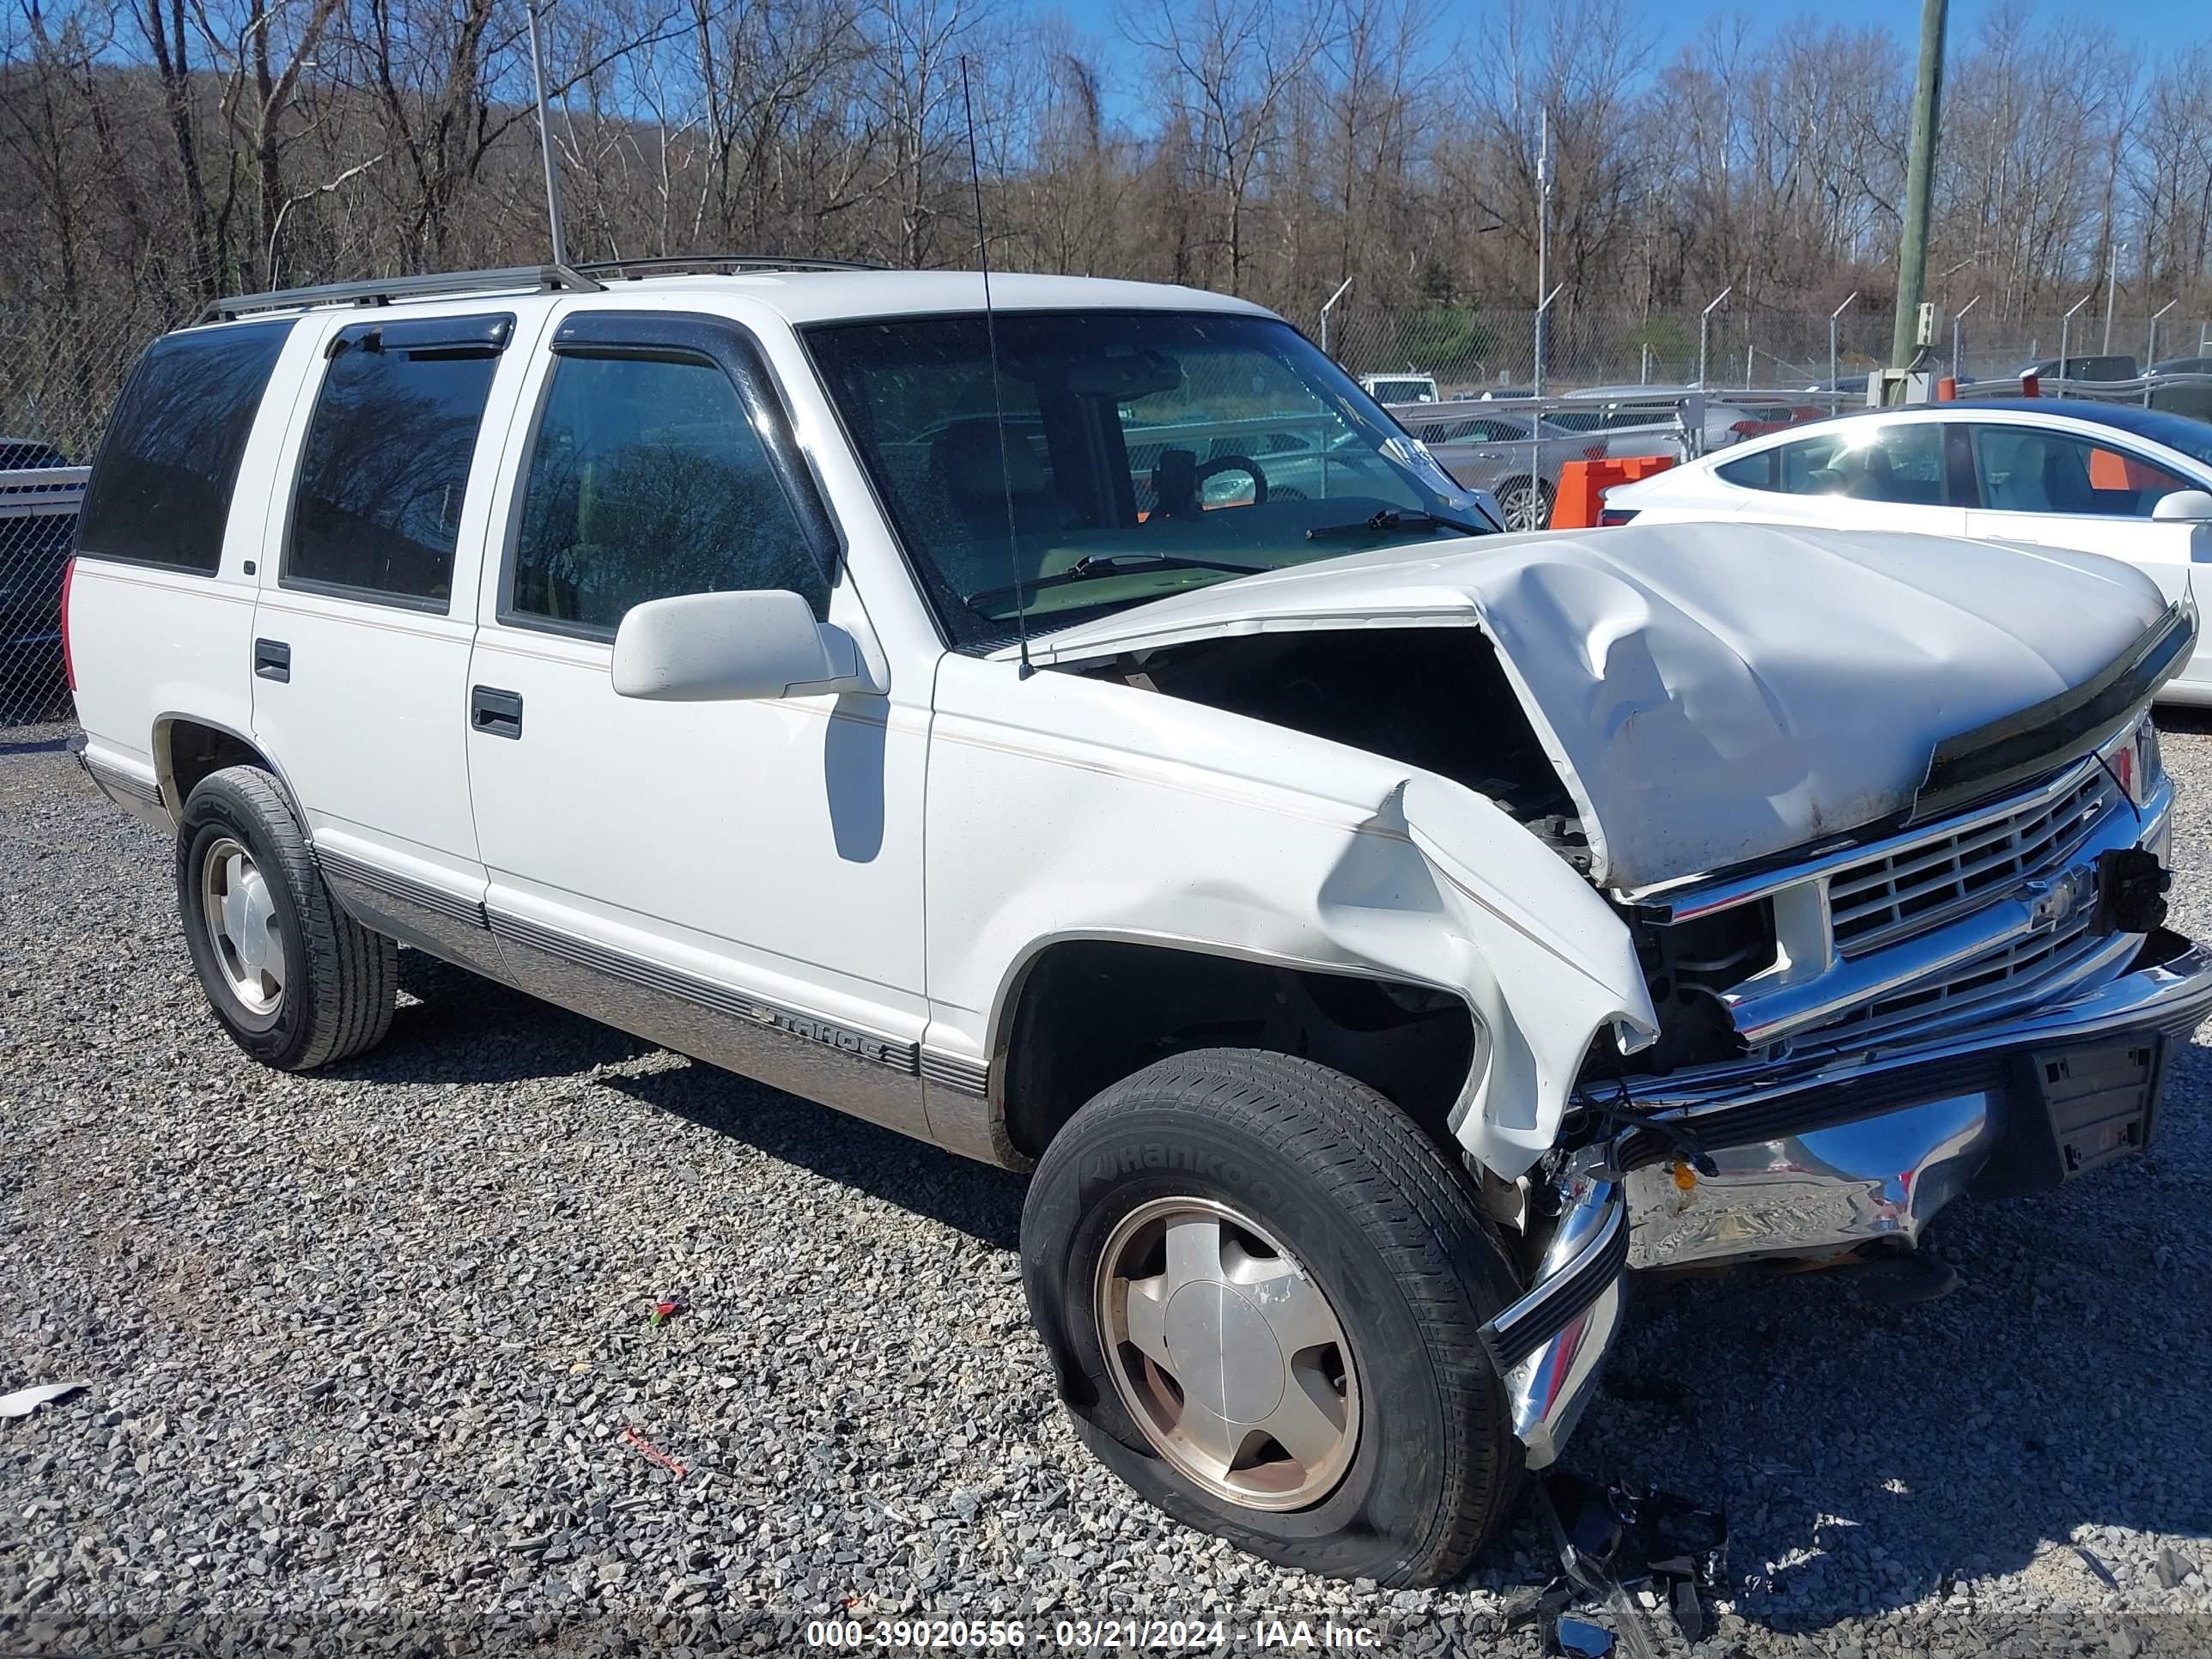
(363, 1350)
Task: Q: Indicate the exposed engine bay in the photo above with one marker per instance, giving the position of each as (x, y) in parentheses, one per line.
(1433, 697)
(1437, 698)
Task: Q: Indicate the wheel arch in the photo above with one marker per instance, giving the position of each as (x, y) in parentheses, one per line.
(187, 747)
(1083, 1008)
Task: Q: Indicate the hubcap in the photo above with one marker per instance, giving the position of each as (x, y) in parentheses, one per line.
(1228, 1355)
(241, 925)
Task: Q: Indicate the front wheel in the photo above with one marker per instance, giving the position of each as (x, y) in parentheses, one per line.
(1262, 1286)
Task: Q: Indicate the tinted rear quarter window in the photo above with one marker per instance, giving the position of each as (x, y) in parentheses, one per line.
(386, 465)
(159, 492)
(1752, 472)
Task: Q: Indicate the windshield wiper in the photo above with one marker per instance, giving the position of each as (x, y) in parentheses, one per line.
(1092, 566)
(1388, 520)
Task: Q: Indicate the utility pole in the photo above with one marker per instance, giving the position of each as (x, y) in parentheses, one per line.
(1919, 174)
(546, 138)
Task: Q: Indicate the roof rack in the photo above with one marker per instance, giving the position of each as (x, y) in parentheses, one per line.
(384, 290)
(666, 262)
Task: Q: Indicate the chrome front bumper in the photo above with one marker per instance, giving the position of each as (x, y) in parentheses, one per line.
(1813, 1159)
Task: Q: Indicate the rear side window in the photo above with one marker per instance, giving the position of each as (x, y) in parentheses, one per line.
(159, 492)
(377, 512)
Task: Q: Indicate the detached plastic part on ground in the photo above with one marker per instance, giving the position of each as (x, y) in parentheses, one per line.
(24, 1401)
(1614, 1542)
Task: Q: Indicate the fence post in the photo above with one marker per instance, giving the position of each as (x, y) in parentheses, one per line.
(1329, 306)
(1704, 325)
(1956, 318)
(2150, 346)
(2065, 330)
(1536, 417)
(1834, 373)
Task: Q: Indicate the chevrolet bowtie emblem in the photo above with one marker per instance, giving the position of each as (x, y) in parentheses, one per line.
(2052, 899)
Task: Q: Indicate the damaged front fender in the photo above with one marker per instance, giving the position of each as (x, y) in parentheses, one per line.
(1544, 962)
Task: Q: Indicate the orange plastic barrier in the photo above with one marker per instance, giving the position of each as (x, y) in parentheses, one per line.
(1583, 485)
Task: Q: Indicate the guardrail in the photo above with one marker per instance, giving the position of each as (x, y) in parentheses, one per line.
(38, 525)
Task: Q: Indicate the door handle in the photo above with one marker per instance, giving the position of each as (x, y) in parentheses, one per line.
(272, 660)
(497, 713)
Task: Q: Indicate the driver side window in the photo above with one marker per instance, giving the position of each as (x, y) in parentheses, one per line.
(2026, 469)
(647, 481)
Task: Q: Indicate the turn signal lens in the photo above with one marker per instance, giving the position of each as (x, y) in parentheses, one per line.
(2134, 759)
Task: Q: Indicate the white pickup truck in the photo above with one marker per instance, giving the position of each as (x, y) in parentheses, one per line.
(1379, 936)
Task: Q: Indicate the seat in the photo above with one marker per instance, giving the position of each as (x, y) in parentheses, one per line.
(2066, 485)
(1869, 473)
(2024, 487)
(969, 484)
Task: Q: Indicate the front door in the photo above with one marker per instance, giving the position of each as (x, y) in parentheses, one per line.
(2058, 489)
(738, 880)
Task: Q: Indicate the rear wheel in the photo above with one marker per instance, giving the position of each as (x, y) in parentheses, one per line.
(295, 981)
(1262, 1286)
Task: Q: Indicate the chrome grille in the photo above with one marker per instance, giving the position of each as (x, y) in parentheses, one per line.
(1918, 887)
(2005, 973)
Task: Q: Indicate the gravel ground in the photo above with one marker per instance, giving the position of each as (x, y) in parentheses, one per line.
(364, 1347)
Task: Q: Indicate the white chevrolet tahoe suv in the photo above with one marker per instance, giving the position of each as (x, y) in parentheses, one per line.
(1090, 736)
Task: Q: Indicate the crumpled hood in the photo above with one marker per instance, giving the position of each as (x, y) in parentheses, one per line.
(1712, 693)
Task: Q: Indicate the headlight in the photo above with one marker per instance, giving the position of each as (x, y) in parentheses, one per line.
(2133, 758)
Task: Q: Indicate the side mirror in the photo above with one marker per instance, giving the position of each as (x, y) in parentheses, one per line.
(727, 648)
(2184, 506)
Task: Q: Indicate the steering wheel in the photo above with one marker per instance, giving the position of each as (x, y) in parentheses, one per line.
(1244, 463)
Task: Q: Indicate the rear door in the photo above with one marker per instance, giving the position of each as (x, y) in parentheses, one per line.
(2058, 489)
(367, 610)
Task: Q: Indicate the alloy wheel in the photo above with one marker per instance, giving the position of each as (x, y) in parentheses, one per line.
(1227, 1354)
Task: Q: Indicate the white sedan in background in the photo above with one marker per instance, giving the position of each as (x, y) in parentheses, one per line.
(2131, 484)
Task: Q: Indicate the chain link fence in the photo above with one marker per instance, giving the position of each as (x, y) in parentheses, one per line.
(38, 523)
(1469, 351)
(60, 374)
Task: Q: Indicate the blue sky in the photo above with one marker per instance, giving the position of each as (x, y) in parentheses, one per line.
(2153, 24)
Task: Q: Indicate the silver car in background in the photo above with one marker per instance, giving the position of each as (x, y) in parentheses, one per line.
(1516, 457)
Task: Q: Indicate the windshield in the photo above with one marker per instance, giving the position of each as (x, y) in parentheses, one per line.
(1147, 452)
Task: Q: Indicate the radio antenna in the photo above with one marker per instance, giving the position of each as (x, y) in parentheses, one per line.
(997, 398)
